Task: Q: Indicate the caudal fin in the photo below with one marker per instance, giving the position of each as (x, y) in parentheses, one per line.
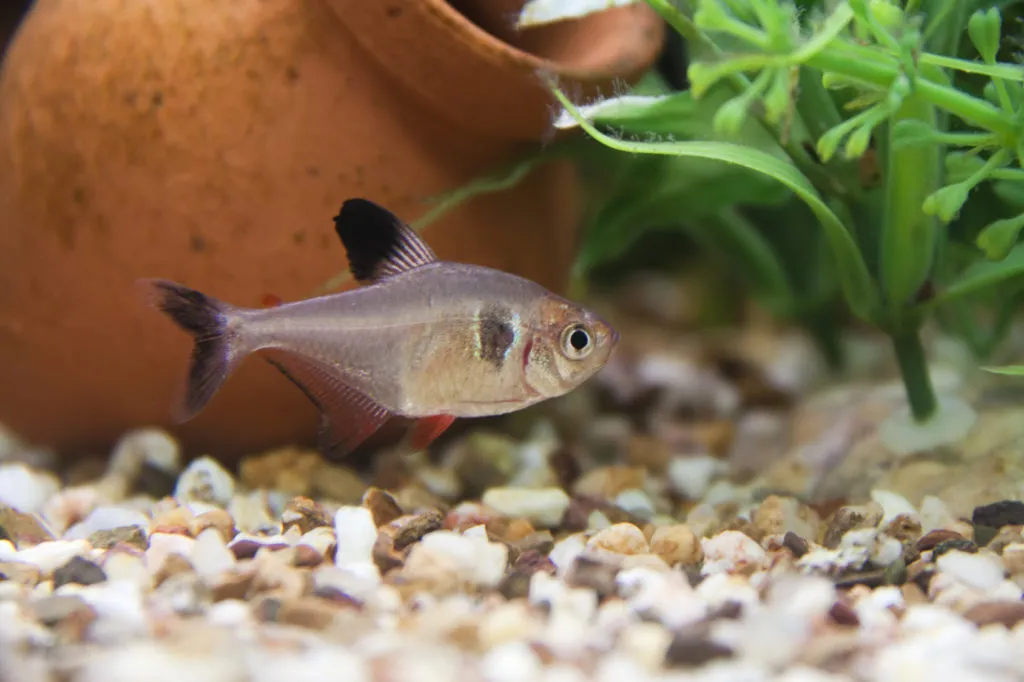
(215, 351)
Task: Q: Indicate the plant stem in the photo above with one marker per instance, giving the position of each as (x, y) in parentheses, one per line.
(914, 369)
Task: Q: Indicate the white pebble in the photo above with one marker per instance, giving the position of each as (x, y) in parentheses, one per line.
(893, 504)
(635, 502)
(313, 664)
(691, 477)
(229, 613)
(541, 506)
(107, 518)
(358, 580)
(49, 556)
(982, 571)
(161, 545)
(665, 596)
(471, 558)
(565, 551)
(205, 481)
(144, 446)
(511, 662)
(210, 556)
(25, 488)
(355, 535)
(731, 550)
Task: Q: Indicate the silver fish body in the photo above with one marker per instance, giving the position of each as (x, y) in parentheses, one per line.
(425, 339)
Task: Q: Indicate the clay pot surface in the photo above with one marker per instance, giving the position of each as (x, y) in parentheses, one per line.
(211, 143)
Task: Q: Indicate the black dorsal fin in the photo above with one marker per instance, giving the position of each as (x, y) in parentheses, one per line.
(378, 243)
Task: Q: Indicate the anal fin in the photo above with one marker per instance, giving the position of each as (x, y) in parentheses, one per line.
(429, 429)
(347, 416)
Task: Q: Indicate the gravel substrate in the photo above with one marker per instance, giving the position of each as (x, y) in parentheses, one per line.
(597, 545)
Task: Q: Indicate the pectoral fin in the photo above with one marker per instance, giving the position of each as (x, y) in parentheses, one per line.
(347, 416)
(429, 429)
(379, 245)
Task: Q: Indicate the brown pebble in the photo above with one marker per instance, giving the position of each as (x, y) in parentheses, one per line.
(246, 548)
(218, 519)
(415, 527)
(687, 650)
(870, 578)
(307, 557)
(336, 596)
(932, 538)
(516, 583)
(303, 513)
(1007, 613)
(306, 612)
(382, 506)
(130, 535)
(842, 613)
(517, 530)
(596, 573)
(577, 514)
(232, 585)
(541, 542)
(920, 573)
(385, 556)
(795, 544)
(78, 571)
(24, 530)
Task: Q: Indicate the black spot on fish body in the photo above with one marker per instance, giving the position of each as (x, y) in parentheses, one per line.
(495, 334)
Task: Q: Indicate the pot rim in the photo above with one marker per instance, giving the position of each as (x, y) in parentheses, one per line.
(422, 43)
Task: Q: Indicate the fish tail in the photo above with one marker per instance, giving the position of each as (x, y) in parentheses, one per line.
(216, 346)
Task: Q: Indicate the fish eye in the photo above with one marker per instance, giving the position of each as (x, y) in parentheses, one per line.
(576, 342)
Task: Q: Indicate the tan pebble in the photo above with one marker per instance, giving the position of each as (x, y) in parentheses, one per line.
(217, 519)
(677, 545)
(850, 518)
(645, 643)
(177, 521)
(651, 561)
(132, 536)
(338, 484)
(1007, 613)
(507, 623)
(607, 482)
(778, 515)
(1007, 535)
(173, 565)
(19, 573)
(648, 452)
(303, 513)
(306, 612)
(621, 538)
(382, 506)
(1013, 558)
(307, 557)
(517, 530)
(288, 469)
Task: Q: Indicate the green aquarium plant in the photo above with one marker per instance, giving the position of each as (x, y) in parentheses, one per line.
(804, 95)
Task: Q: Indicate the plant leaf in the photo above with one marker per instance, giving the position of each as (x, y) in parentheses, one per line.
(981, 275)
(1008, 370)
(856, 281)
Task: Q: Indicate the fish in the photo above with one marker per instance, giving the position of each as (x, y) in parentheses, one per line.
(420, 338)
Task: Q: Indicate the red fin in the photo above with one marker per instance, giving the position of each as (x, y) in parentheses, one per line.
(347, 416)
(270, 301)
(428, 429)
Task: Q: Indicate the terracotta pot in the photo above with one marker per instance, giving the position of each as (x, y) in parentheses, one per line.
(211, 143)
